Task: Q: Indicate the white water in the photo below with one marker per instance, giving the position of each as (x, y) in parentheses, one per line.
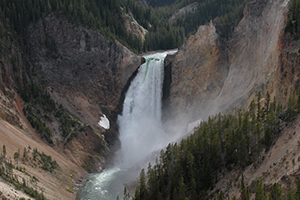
(141, 131)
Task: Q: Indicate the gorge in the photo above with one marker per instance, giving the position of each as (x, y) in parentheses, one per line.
(60, 77)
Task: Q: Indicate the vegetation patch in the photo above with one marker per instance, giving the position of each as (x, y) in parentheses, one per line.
(25, 182)
(222, 143)
(41, 109)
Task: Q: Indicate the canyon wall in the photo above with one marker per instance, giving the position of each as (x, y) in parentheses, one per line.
(210, 77)
(85, 74)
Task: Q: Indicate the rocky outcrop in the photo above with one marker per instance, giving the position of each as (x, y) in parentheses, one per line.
(198, 73)
(253, 53)
(133, 27)
(208, 77)
(288, 71)
(86, 73)
(182, 12)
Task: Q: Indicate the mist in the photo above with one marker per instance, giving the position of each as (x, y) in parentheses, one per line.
(142, 133)
(140, 126)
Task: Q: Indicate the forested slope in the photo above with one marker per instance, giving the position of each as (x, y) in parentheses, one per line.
(224, 143)
(225, 146)
(226, 14)
(107, 17)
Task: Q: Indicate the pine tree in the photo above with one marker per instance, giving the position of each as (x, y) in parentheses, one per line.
(3, 152)
(276, 192)
(290, 195)
(260, 193)
(245, 191)
(181, 189)
(126, 194)
(143, 193)
(297, 194)
(16, 156)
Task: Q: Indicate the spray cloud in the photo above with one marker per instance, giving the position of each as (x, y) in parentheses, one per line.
(141, 130)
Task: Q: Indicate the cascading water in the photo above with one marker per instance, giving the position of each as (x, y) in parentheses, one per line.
(140, 125)
(141, 131)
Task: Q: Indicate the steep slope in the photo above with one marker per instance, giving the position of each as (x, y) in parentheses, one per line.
(87, 76)
(191, 8)
(253, 53)
(261, 57)
(85, 73)
(17, 134)
(198, 72)
(278, 165)
(54, 185)
(247, 64)
(288, 72)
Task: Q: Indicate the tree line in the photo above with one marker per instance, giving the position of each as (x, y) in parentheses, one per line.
(187, 170)
(106, 16)
(226, 14)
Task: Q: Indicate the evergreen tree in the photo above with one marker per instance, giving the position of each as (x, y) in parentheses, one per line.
(4, 152)
(297, 194)
(181, 189)
(276, 192)
(290, 195)
(126, 194)
(260, 193)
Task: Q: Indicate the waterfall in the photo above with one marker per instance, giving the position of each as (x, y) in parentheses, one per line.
(140, 128)
(141, 131)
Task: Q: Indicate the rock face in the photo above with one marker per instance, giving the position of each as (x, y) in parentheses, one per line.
(17, 134)
(198, 72)
(10, 76)
(133, 27)
(84, 72)
(253, 53)
(208, 77)
(191, 8)
(288, 71)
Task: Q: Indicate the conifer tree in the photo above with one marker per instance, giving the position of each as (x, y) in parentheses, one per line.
(276, 192)
(260, 193)
(297, 194)
(181, 189)
(290, 195)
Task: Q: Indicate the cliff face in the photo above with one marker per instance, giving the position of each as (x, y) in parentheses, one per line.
(222, 77)
(81, 60)
(253, 53)
(16, 133)
(198, 72)
(85, 73)
(288, 71)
